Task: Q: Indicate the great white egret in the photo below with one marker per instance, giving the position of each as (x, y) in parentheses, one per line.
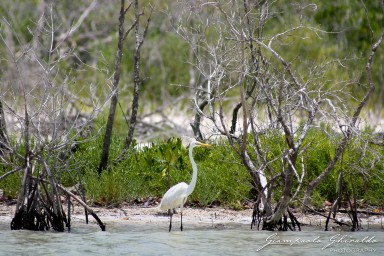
(176, 196)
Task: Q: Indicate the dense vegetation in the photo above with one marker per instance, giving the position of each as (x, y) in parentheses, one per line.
(222, 179)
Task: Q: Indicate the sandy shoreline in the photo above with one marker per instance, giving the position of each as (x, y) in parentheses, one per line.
(140, 214)
(208, 217)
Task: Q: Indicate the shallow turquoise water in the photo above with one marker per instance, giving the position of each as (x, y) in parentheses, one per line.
(151, 239)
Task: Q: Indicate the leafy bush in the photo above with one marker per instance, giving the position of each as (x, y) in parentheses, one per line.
(9, 185)
(144, 173)
(222, 179)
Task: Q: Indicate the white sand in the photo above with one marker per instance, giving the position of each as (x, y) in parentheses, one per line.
(206, 216)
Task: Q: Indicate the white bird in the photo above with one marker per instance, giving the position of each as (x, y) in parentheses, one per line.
(176, 196)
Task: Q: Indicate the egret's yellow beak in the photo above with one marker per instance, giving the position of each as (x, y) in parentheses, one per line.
(203, 144)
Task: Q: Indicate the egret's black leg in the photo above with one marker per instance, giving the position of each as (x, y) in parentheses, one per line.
(181, 227)
(170, 222)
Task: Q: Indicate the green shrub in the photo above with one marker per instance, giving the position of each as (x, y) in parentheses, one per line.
(10, 185)
(222, 178)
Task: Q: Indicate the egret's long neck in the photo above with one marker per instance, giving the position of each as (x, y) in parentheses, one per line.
(192, 185)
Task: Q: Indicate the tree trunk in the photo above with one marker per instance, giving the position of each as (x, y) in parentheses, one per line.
(271, 224)
(4, 143)
(136, 81)
(114, 99)
(197, 121)
(255, 175)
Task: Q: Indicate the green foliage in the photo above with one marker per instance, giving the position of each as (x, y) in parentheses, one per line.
(144, 173)
(222, 179)
(317, 158)
(9, 185)
(373, 189)
(353, 25)
(364, 169)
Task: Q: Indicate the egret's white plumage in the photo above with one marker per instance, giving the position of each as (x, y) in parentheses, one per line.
(176, 196)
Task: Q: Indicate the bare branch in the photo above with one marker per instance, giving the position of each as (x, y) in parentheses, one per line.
(74, 28)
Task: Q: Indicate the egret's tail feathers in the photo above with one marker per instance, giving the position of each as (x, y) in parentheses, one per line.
(162, 206)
